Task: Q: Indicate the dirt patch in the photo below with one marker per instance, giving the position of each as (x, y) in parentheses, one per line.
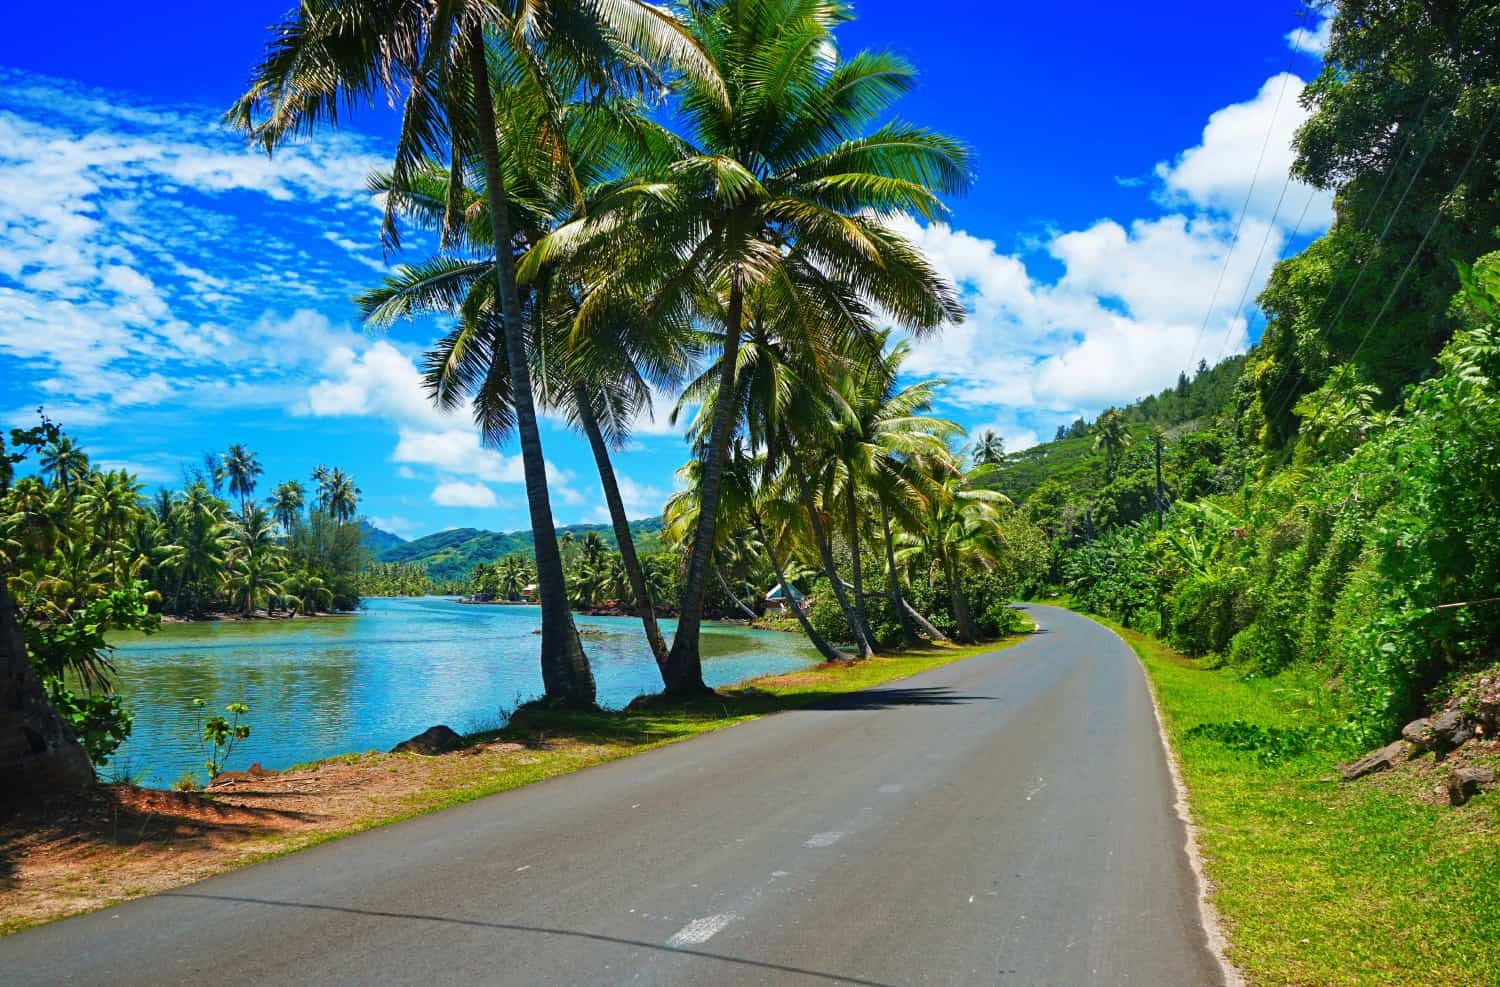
(68, 855)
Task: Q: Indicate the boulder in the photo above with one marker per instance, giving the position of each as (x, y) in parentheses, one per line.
(1467, 782)
(1451, 729)
(1418, 733)
(432, 741)
(1382, 760)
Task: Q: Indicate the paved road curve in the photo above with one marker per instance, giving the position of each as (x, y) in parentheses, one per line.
(1003, 820)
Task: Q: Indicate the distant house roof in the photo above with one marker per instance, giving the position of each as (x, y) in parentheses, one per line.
(775, 596)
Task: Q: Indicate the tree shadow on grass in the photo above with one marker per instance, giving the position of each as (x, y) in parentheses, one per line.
(775, 968)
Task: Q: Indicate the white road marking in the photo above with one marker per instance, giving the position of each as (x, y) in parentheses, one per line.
(824, 839)
(701, 930)
(523, 867)
(1041, 784)
(889, 789)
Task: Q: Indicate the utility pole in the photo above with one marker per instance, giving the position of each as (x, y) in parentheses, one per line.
(1156, 441)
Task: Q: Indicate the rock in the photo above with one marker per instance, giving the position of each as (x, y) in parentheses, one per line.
(1382, 760)
(1467, 782)
(432, 741)
(1452, 729)
(1418, 733)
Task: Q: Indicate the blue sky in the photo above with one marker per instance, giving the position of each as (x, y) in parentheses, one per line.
(165, 291)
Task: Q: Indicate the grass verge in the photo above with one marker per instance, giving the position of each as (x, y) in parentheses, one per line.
(65, 857)
(1319, 881)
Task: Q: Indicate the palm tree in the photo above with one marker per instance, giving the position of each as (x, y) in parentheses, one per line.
(436, 60)
(775, 162)
(342, 497)
(286, 504)
(962, 528)
(202, 542)
(240, 469)
(1113, 437)
(320, 475)
(256, 564)
(65, 462)
(883, 431)
(989, 449)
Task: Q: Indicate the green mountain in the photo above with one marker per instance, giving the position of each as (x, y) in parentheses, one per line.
(449, 555)
(377, 540)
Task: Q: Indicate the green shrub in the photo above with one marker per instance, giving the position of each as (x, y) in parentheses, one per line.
(1205, 612)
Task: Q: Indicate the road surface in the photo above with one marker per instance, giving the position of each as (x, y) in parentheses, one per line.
(1002, 820)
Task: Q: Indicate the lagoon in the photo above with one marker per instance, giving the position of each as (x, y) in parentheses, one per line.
(318, 687)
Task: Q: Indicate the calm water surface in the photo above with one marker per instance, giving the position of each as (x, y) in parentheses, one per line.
(324, 686)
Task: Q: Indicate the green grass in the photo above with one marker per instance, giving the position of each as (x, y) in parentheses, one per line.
(1319, 881)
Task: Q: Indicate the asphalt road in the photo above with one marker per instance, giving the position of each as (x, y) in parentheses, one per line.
(1003, 820)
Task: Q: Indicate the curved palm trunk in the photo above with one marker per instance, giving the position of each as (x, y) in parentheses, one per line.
(566, 675)
(898, 601)
(632, 563)
(828, 651)
(37, 751)
(859, 577)
(967, 632)
(684, 670)
(724, 584)
(825, 555)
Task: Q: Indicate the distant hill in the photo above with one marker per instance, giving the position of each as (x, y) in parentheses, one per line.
(449, 555)
(378, 541)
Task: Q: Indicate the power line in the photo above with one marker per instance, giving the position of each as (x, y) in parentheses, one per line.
(1380, 241)
(1213, 299)
(1437, 215)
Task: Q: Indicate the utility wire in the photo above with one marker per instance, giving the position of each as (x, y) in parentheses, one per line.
(1437, 215)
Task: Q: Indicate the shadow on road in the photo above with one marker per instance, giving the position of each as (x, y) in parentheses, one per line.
(890, 698)
(513, 927)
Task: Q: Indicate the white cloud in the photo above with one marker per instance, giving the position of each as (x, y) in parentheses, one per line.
(1218, 173)
(397, 525)
(455, 493)
(1128, 310)
(1314, 42)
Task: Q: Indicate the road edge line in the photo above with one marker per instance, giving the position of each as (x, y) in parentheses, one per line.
(1208, 915)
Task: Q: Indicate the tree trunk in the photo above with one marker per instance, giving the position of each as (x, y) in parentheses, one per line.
(37, 750)
(854, 562)
(825, 554)
(924, 623)
(828, 651)
(566, 675)
(684, 673)
(724, 584)
(637, 576)
(967, 632)
(898, 602)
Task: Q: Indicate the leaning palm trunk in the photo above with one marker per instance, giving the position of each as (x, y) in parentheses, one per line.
(37, 751)
(967, 632)
(825, 554)
(898, 601)
(684, 671)
(828, 651)
(566, 675)
(857, 565)
(724, 585)
(645, 606)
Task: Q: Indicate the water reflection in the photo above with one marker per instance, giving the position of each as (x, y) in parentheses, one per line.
(326, 686)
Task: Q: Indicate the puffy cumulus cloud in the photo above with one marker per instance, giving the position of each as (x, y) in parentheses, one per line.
(1235, 160)
(397, 525)
(1314, 42)
(139, 236)
(1136, 301)
(455, 493)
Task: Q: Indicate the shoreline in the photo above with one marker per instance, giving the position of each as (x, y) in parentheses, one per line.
(71, 855)
(233, 618)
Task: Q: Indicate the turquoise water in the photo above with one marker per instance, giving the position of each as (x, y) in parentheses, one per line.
(323, 686)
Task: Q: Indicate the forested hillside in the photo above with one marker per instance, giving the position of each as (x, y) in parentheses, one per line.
(1338, 501)
(450, 556)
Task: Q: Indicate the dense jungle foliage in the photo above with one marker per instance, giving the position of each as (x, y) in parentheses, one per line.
(1341, 505)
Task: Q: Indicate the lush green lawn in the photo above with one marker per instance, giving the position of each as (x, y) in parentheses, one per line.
(1318, 881)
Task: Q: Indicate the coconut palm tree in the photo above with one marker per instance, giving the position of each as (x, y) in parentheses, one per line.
(286, 504)
(989, 449)
(65, 462)
(239, 470)
(438, 61)
(962, 528)
(202, 540)
(1112, 436)
(779, 158)
(256, 564)
(342, 497)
